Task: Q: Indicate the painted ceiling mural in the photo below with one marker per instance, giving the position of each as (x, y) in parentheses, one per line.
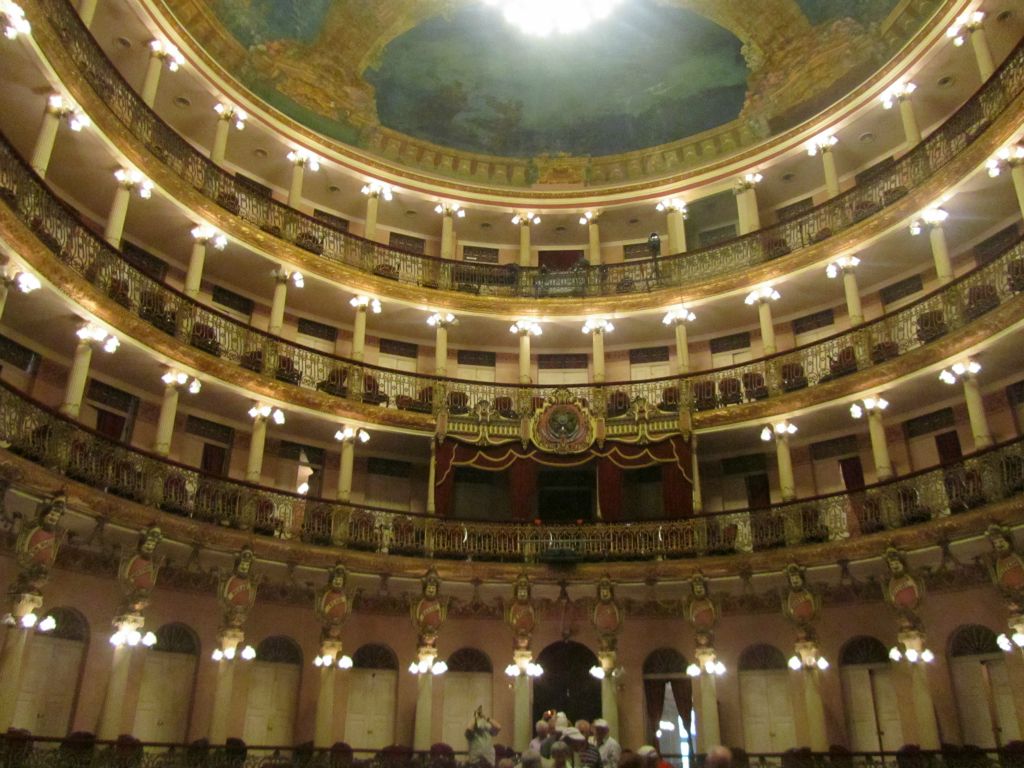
(452, 74)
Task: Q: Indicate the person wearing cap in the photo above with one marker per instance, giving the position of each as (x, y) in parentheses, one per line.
(557, 725)
(480, 733)
(542, 727)
(584, 754)
(609, 749)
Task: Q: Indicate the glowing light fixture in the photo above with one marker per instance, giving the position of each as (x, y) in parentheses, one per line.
(133, 179)
(597, 325)
(48, 624)
(164, 50)
(965, 23)
(671, 204)
(520, 327)
(442, 319)
(181, 379)
(301, 156)
(526, 218)
(365, 302)
(764, 293)
(349, 433)
(1009, 642)
(587, 217)
(13, 21)
(264, 411)
(450, 209)
(374, 188)
(92, 332)
(206, 234)
(680, 314)
(822, 143)
(541, 18)
(231, 112)
(897, 92)
(958, 370)
(781, 428)
(1007, 156)
(930, 217)
(840, 265)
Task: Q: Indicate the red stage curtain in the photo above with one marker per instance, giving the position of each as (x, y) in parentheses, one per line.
(654, 698)
(522, 479)
(609, 490)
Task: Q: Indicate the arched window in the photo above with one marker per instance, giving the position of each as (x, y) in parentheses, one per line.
(665, 661)
(668, 697)
(863, 649)
(71, 624)
(469, 660)
(279, 649)
(177, 638)
(762, 656)
(374, 656)
(972, 640)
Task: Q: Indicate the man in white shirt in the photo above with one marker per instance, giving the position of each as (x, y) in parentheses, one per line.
(607, 746)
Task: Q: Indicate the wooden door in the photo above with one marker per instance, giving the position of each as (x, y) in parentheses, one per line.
(165, 696)
(758, 492)
(270, 705)
(370, 719)
(887, 708)
(44, 708)
(871, 712)
(463, 693)
(767, 710)
(984, 701)
(853, 473)
(948, 446)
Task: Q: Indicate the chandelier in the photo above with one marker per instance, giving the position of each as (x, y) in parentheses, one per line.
(542, 17)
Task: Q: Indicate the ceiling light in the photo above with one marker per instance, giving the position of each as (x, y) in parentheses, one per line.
(541, 18)
(671, 204)
(680, 314)
(764, 293)
(967, 22)
(230, 112)
(365, 302)
(304, 157)
(48, 624)
(822, 143)
(449, 209)
(588, 217)
(164, 50)
(897, 92)
(526, 327)
(207, 235)
(27, 282)
(526, 218)
(131, 178)
(1006, 156)
(13, 21)
(377, 189)
(92, 332)
(297, 279)
(442, 320)
(842, 264)
(347, 434)
(597, 325)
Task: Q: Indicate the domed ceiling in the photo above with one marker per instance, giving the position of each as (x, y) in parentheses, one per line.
(448, 86)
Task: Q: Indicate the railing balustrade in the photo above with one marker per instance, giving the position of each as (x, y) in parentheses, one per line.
(57, 225)
(318, 236)
(40, 434)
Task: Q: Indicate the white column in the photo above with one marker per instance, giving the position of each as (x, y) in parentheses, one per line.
(911, 130)
(323, 736)
(879, 445)
(682, 348)
(815, 709)
(746, 202)
(112, 714)
(372, 205)
(524, 242)
(708, 729)
(524, 358)
(597, 340)
(828, 161)
(87, 11)
(522, 722)
(853, 305)
(74, 390)
(431, 479)
(257, 443)
(698, 499)
(46, 139)
(165, 424)
(976, 412)
(348, 456)
(359, 334)
(594, 242)
(1017, 175)
(609, 691)
(940, 252)
(787, 484)
(11, 659)
(229, 642)
(764, 317)
(278, 303)
(118, 213)
(160, 53)
(227, 115)
(423, 724)
(675, 217)
(447, 233)
(295, 189)
(203, 237)
(441, 350)
(982, 52)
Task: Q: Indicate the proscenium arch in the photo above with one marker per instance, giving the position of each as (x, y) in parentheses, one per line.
(567, 685)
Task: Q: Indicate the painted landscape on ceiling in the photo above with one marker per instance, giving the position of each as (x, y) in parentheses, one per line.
(634, 80)
(454, 74)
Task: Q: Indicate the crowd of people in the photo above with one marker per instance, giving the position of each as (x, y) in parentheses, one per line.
(560, 743)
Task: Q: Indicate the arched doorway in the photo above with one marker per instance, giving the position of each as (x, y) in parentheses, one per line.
(668, 699)
(273, 692)
(44, 708)
(168, 677)
(567, 685)
(467, 685)
(869, 696)
(370, 717)
(765, 700)
(984, 696)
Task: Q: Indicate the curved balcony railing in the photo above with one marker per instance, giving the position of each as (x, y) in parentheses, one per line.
(58, 226)
(29, 429)
(640, 276)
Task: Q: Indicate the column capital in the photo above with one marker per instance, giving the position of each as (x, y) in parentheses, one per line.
(378, 190)
(129, 179)
(442, 320)
(526, 328)
(260, 412)
(166, 52)
(350, 434)
(962, 370)
(965, 25)
(525, 218)
(182, 380)
(779, 431)
(897, 92)
(807, 656)
(844, 265)
(62, 107)
(92, 334)
(672, 205)
(450, 210)
(231, 113)
(929, 219)
(303, 158)
(679, 316)
(283, 275)
(872, 406)
(24, 610)
(204, 234)
(821, 144)
(590, 217)
(1009, 156)
(597, 325)
(364, 303)
(747, 182)
(762, 295)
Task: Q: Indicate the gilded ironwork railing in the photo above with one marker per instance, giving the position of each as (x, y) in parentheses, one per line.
(31, 430)
(882, 189)
(82, 751)
(468, 403)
